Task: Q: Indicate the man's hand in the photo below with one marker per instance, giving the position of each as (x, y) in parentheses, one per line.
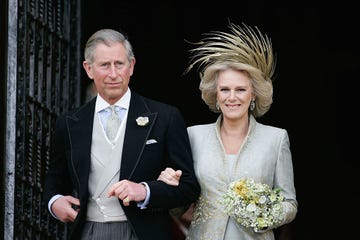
(63, 208)
(170, 176)
(128, 191)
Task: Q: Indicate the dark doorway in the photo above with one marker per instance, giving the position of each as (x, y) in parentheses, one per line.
(304, 36)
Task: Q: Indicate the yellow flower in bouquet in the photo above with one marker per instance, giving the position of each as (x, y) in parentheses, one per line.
(253, 204)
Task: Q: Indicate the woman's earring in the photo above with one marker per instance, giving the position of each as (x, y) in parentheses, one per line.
(252, 104)
(217, 106)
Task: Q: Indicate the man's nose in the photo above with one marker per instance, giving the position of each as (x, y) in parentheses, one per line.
(113, 71)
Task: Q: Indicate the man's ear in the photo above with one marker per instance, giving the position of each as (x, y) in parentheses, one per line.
(132, 65)
(87, 68)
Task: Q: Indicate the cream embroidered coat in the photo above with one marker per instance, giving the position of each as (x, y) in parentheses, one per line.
(265, 156)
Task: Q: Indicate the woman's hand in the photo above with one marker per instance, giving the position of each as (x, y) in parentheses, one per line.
(170, 176)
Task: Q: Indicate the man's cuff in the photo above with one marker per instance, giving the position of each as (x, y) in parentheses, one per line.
(52, 200)
(143, 204)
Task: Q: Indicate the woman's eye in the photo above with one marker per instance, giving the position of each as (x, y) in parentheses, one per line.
(241, 89)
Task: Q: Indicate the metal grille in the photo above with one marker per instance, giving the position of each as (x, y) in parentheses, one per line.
(48, 84)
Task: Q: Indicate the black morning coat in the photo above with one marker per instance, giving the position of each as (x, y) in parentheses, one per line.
(68, 172)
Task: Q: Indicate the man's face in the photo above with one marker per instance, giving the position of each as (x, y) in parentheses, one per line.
(111, 71)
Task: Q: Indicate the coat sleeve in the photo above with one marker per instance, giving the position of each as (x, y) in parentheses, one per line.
(284, 179)
(179, 157)
(57, 180)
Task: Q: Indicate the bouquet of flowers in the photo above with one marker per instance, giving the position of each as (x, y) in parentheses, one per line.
(253, 204)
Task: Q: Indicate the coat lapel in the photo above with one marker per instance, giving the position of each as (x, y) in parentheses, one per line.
(80, 127)
(135, 135)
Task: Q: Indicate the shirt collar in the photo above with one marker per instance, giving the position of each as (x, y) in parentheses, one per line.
(123, 102)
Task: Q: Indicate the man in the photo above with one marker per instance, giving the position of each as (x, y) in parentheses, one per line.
(105, 185)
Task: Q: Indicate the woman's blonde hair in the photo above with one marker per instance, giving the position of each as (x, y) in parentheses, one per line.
(244, 49)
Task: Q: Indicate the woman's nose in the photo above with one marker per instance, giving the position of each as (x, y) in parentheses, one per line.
(232, 94)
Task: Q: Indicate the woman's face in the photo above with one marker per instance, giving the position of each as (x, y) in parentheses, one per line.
(234, 94)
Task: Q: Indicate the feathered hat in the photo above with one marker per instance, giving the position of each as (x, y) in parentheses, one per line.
(242, 45)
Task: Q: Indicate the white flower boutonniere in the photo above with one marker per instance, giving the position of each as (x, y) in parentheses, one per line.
(142, 121)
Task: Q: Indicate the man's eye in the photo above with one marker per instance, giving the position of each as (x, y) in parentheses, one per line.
(118, 65)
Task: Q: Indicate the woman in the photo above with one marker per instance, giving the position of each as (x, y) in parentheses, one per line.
(235, 71)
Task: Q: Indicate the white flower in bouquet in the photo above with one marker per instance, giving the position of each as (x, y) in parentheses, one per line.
(253, 205)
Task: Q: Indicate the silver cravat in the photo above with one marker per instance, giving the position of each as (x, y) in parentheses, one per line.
(113, 123)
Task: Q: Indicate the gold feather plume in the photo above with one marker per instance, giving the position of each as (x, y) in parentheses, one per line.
(242, 45)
